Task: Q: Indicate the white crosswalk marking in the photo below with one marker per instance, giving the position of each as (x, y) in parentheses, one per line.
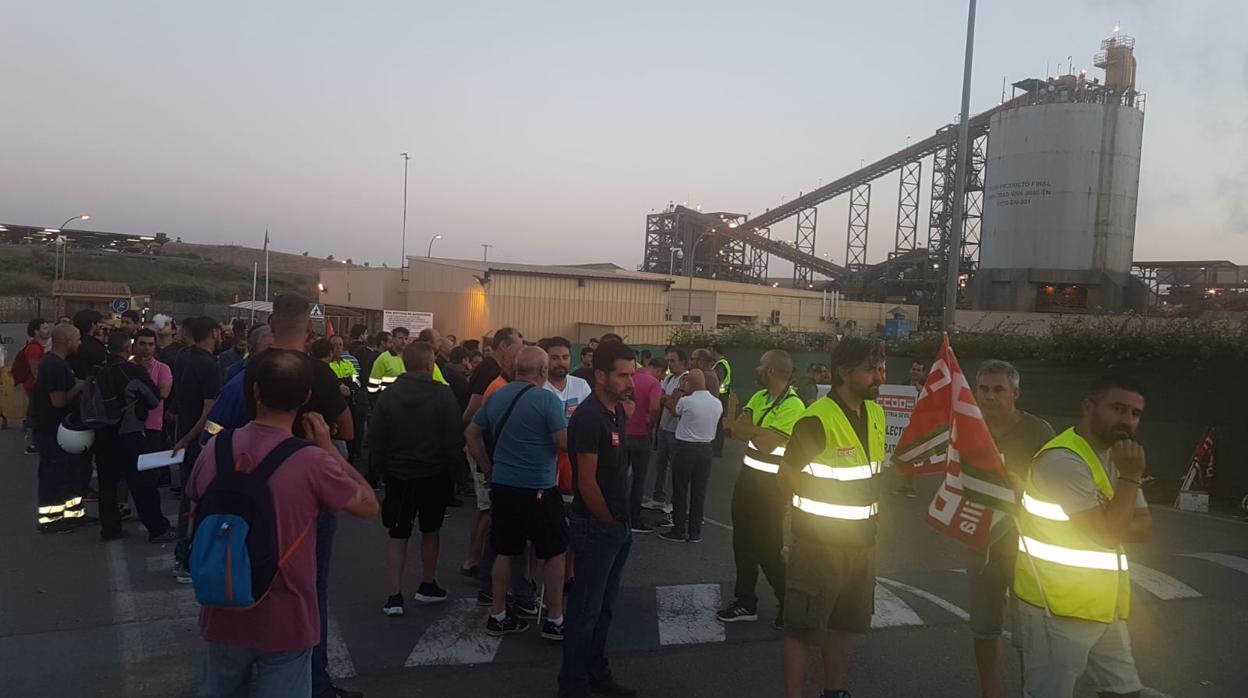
(339, 665)
(927, 596)
(458, 637)
(1160, 584)
(1234, 562)
(687, 614)
(891, 611)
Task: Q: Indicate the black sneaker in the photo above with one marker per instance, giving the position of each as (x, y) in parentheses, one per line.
(839, 693)
(550, 631)
(778, 623)
(695, 539)
(608, 687)
(485, 598)
(737, 611)
(430, 592)
(674, 536)
(393, 606)
(31, 451)
(528, 609)
(169, 535)
(474, 571)
(115, 535)
(125, 512)
(58, 526)
(642, 527)
(665, 522)
(506, 626)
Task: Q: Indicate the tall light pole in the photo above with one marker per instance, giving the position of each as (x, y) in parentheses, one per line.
(485, 252)
(403, 258)
(959, 188)
(693, 262)
(59, 265)
(429, 252)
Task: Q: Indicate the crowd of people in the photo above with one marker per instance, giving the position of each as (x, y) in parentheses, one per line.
(565, 465)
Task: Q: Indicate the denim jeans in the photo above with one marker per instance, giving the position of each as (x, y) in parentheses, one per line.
(227, 673)
(116, 457)
(326, 526)
(691, 468)
(600, 553)
(638, 452)
(662, 461)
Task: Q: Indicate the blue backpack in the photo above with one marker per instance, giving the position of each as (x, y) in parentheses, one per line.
(234, 553)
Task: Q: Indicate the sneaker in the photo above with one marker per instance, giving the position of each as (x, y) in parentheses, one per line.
(528, 609)
(181, 575)
(125, 512)
(116, 535)
(393, 606)
(550, 631)
(778, 623)
(608, 687)
(695, 539)
(506, 626)
(665, 522)
(169, 535)
(655, 505)
(474, 571)
(31, 451)
(737, 611)
(430, 592)
(642, 527)
(485, 598)
(674, 536)
(58, 526)
(840, 693)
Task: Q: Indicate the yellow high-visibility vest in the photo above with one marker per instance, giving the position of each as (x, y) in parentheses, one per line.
(725, 386)
(838, 488)
(387, 369)
(777, 415)
(1060, 566)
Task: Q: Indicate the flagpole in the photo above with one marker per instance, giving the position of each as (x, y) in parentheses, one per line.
(266, 264)
(254, 267)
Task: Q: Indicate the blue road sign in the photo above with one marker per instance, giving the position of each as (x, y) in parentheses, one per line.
(121, 305)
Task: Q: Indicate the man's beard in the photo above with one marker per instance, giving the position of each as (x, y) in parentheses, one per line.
(559, 373)
(871, 392)
(1115, 434)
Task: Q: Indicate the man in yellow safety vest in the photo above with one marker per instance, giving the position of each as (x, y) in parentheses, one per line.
(830, 475)
(1081, 503)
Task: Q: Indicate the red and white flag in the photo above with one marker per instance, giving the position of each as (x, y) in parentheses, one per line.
(975, 501)
(1200, 470)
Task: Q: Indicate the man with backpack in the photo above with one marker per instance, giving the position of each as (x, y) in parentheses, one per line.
(118, 445)
(268, 623)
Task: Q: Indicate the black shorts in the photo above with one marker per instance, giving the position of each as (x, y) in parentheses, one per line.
(425, 497)
(518, 515)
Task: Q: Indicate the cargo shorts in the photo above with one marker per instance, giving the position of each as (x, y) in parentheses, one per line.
(828, 589)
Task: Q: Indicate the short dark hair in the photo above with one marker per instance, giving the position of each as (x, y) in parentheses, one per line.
(504, 335)
(646, 355)
(321, 349)
(611, 337)
(357, 331)
(426, 335)
(290, 310)
(592, 340)
(200, 328)
(476, 355)
(401, 331)
(608, 353)
(33, 326)
(586, 350)
(851, 352)
(1121, 381)
(556, 342)
(658, 363)
(239, 326)
(381, 337)
(472, 344)
(144, 332)
(118, 341)
(85, 319)
(680, 354)
(284, 378)
(459, 354)
(418, 354)
(133, 315)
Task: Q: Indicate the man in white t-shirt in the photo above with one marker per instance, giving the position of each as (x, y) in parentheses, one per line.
(677, 365)
(571, 391)
(699, 413)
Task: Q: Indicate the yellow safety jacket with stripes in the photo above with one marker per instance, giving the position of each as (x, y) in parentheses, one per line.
(1061, 567)
(777, 416)
(726, 385)
(837, 494)
(387, 369)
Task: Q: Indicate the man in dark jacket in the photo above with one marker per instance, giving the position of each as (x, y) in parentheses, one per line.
(117, 447)
(416, 436)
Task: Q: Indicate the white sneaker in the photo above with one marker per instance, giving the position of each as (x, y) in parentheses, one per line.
(654, 505)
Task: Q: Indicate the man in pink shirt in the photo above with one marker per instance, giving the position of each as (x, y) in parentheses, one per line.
(145, 356)
(644, 414)
(275, 637)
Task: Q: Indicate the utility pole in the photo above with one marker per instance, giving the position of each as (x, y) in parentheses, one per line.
(485, 252)
(959, 188)
(403, 258)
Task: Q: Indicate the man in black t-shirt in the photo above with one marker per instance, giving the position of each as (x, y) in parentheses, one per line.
(599, 526)
(56, 388)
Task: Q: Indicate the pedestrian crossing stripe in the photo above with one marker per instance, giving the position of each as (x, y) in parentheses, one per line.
(1233, 562)
(1160, 584)
(687, 614)
(457, 637)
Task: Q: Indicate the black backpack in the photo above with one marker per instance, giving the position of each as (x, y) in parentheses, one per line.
(234, 552)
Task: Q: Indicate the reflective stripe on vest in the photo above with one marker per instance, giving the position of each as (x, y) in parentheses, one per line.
(1061, 567)
(838, 483)
(753, 456)
(727, 384)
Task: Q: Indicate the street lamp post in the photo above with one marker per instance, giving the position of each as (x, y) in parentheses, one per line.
(403, 258)
(957, 225)
(693, 262)
(429, 252)
(61, 260)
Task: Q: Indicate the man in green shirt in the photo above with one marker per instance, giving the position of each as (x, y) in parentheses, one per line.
(389, 365)
(757, 509)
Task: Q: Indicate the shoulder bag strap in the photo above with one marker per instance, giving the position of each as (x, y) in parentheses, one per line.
(225, 452)
(278, 455)
(498, 431)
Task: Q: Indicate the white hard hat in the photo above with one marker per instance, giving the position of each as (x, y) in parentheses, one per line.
(73, 438)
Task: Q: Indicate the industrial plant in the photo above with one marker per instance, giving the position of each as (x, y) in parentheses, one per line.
(1049, 213)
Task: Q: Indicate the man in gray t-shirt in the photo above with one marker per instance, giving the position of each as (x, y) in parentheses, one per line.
(677, 364)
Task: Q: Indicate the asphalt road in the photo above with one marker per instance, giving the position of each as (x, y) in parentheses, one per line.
(82, 618)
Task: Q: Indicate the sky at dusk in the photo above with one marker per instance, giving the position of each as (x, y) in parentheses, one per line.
(550, 129)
